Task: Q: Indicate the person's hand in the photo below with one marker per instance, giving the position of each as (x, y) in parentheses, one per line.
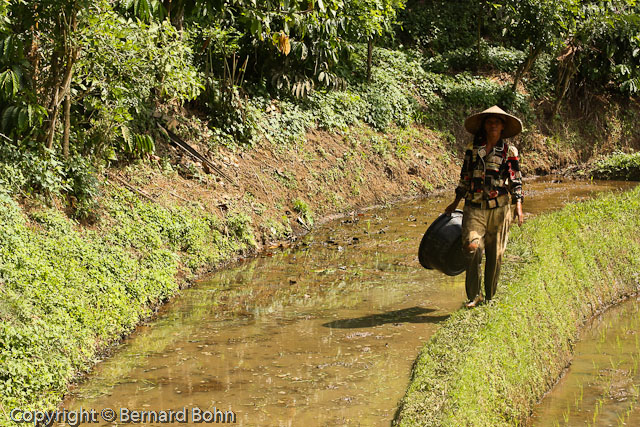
(452, 207)
(518, 213)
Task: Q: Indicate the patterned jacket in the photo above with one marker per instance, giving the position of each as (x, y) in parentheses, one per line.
(485, 176)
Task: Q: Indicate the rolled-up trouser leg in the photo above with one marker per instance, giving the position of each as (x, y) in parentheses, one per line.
(495, 244)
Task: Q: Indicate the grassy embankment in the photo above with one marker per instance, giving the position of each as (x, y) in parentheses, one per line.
(618, 165)
(489, 366)
(68, 292)
(68, 289)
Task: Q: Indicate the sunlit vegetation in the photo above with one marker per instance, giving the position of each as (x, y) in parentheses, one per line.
(67, 292)
(489, 366)
(81, 81)
(618, 166)
(85, 84)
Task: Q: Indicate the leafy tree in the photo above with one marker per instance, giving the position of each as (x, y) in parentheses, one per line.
(536, 26)
(125, 67)
(369, 19)
(145, 10)
(602, 49)
(438, 26)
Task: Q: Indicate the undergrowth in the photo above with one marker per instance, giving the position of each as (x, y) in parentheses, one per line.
(488, 366)
(405, 89)
(618, 166)
(66, 292)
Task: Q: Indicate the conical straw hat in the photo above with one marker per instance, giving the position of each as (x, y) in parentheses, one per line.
(512, 124)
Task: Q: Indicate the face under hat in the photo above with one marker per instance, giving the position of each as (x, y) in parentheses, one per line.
(512, 124)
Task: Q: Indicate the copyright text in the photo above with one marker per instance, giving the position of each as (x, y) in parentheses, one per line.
(123, 416)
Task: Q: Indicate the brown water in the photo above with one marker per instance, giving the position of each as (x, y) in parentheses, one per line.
(324, 334)
(602, 386)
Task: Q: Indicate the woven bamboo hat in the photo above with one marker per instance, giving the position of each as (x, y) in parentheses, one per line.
(512, 124)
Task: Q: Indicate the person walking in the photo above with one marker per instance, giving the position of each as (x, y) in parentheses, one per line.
(490, 183)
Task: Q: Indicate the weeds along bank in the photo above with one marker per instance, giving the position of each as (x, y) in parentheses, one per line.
(618, 166)
(489, 366)
(77, 277)
(308, 125)
(68, 291)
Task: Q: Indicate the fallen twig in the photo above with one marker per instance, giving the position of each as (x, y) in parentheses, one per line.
(176, 140)
(130, 187)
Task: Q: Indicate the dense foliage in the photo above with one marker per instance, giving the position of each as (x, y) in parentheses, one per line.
(81, 79)
(594, 43)
(623, 166)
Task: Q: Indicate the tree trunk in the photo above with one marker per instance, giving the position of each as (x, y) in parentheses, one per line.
(479, 59)
(50, 90)
(175, 12)
(369, 59)
(568, 68)
(33, 55)
(563, 85)
(61, 89)
(67, 126)
(167, 4)
(178, 15)
(526, 66)
(53, 113)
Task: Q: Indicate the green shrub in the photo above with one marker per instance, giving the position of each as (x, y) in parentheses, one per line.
(25, 170)
(618, 166)
(277, 230)
(303, 209)
(84, 186)
(286, 125)
(498, 58)
(338, 109)
(241, 230)
(128, 66)
(475, 92)
(440, 25)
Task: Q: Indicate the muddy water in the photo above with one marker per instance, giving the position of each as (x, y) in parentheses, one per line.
(602, 386)
(324, 334)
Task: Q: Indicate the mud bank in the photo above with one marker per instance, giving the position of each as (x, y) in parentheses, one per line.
(489, 366)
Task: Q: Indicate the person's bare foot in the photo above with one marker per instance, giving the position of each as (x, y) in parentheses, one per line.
(474, 302)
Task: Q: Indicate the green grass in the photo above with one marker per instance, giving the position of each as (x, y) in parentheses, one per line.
(67, 292)
(488, 366)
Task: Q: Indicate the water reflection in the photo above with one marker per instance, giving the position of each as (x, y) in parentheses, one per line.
(324, 334)
(602, 386)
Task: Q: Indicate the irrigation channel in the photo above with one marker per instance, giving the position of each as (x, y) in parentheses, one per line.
(602, 386)
(322, 334)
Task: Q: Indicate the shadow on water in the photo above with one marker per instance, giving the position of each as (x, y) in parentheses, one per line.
(405, 315)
